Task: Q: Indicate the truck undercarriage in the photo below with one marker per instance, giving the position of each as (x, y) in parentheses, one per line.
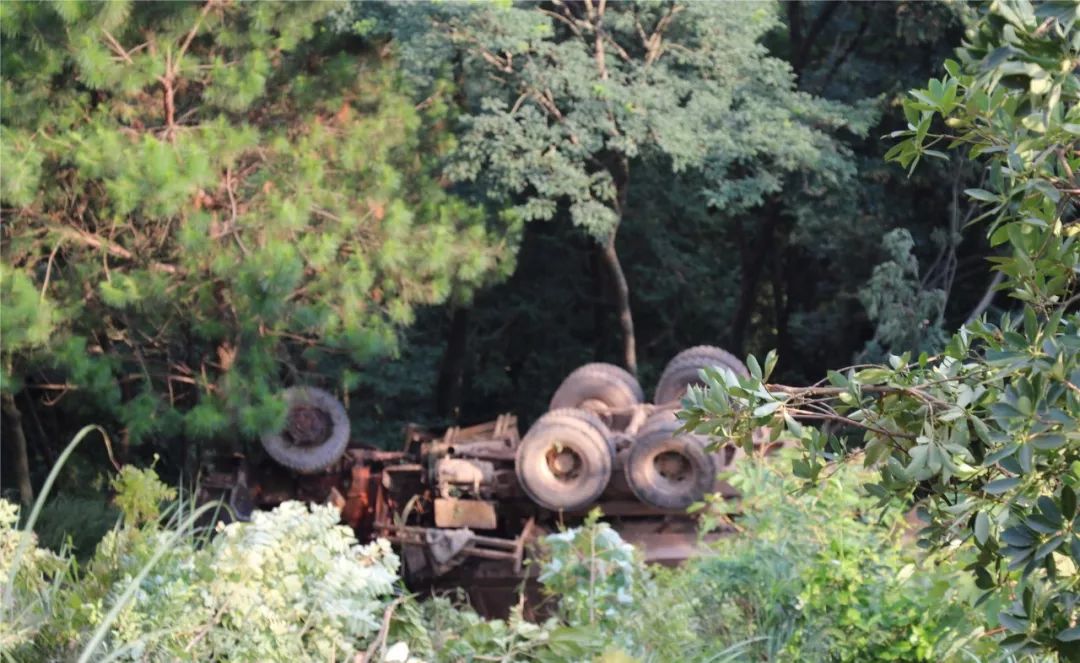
(466, 506)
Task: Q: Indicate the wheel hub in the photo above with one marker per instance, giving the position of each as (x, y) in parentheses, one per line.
(564, 462)
(308, 425)
(672, 466)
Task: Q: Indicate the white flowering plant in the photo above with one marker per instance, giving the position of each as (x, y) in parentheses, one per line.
(291, 585)
(592, 571)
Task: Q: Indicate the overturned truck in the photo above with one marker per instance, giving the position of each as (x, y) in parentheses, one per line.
(464, 505)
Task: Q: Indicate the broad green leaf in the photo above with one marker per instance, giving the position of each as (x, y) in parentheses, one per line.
(982, 195)
(982, 527)
(1000, 486)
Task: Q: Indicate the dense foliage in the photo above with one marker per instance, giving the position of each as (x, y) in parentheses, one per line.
(291, 584)
(777, 248)
(203, 201)
(586, 96)
(984, 434)
(827, 575)
(732, 230)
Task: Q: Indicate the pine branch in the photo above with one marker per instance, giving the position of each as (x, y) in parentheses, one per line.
(111, 248)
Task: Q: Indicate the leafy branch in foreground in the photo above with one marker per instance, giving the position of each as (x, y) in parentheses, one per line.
(984, 435)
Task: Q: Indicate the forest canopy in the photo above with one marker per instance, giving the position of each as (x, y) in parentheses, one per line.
(206, 202)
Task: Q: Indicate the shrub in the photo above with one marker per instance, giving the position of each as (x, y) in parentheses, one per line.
(291, 584)
(26, 576)
(985, 432)
(75, 523)
(820, 575)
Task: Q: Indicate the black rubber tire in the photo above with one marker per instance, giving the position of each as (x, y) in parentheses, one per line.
(310, 459)
(682, 371)
(659, 420)
(612, 386)
(587, 437)
(583, 419)
(658, 436)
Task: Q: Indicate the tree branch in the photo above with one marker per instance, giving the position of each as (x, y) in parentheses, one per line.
(869, 389)
(569, 22)
(194, 29)
(987, 298)
(816, 27)
(117, 48)
(849, 49)
(379, 643)
(96, 242)
(802, 414)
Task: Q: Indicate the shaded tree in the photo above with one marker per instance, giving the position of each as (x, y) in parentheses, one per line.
(214, 199)
(697, 246)
(566, 103)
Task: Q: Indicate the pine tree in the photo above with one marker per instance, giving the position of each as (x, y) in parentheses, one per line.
(204, 201)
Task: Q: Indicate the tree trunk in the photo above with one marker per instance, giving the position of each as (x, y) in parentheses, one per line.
(452, 370)
(22, 461)
(794, 20)
(753, 254)
(987, 298)
(621, 293)
(599, 271)
(782, 299)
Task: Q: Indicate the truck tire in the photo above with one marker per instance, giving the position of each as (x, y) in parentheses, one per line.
(588, 422)
(598, 387)
(682, 370)
(316, 431)
(564, 462)
(668, 470)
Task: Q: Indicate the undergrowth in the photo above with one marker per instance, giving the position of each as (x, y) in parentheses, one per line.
(810, 576)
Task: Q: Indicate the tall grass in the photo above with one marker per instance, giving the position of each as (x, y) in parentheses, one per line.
(179, 523)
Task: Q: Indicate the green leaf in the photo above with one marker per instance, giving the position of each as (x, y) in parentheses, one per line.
(755, 368)
(1069, 634)
(1001, 485)
(982, 527)
(983, 195)
(837, 379)
(1050, 510)
(1050, 546)
(1000, 454)
(1013, 623)
(801, 469)
(1013, 643)
(1026, 457)
(770, 364)
(1040, 524)
(1018, 537)
(1068, 502)
(1048, 442)
(767, 409)
(794, 426)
